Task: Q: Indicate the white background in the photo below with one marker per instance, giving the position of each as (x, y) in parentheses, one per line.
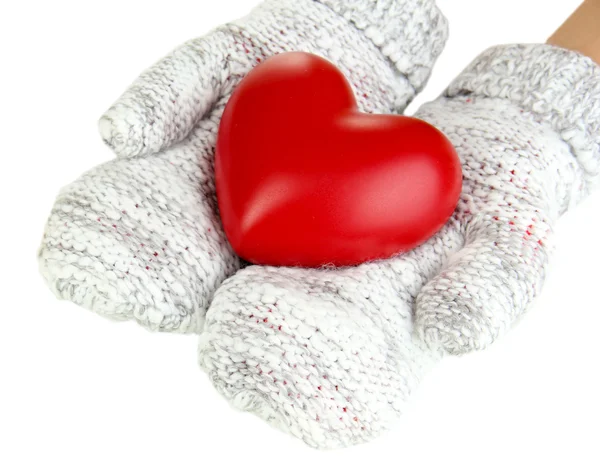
(84, 396)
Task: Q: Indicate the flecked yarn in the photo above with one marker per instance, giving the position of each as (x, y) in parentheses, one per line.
(332, 355)
(139, 237)
(329, 355)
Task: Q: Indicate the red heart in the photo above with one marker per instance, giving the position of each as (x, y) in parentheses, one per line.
(305, 179)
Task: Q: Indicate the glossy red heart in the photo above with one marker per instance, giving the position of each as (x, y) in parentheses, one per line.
(305, 179)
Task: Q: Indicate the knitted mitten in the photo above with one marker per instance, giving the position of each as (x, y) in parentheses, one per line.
(139, 237)
(331, 355)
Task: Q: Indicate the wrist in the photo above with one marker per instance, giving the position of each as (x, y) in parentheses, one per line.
(581, 31)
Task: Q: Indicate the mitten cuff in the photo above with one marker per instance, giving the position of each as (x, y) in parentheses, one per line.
(560, 87)
(411, 34)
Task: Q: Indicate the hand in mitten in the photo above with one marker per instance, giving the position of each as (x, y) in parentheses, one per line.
(331, 355)
(139, 237)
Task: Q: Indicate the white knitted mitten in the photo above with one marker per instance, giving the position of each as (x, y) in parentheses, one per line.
(331, 355)
(139, 237)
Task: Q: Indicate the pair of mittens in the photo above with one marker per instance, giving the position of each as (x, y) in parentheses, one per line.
(329, 355)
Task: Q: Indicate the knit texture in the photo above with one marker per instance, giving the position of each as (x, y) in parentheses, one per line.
(328, 355)
(559, 86)
(411, 34)
(139, 237)
(392, 54)
(332, 355)
(525, 120)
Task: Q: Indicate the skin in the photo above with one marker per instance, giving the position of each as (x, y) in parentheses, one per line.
(581, 31)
